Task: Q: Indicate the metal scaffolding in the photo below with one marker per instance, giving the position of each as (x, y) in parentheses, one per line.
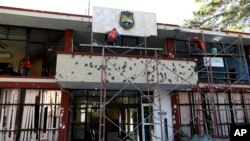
(208, 104)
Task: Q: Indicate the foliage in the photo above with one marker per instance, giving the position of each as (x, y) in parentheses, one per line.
(221, 14)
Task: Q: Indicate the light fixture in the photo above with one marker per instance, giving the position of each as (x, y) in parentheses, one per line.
(217, 38)
(5, 55)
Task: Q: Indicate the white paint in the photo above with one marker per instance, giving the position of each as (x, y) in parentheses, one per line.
(84, 69)
(166, 107)
(104, 19)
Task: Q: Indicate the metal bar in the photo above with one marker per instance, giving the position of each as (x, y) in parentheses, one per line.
(158, 93)
(120, 47)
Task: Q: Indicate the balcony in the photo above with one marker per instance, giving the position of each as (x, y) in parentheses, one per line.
(84, 71)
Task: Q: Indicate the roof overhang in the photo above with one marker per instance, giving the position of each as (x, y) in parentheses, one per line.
(44, 19)
(83, 23)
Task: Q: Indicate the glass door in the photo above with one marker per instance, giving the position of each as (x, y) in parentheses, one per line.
(122, 123)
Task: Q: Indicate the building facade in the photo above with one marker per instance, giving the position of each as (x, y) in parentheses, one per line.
(152, 85)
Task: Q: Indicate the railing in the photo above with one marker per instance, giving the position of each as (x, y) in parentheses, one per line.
(121, 50)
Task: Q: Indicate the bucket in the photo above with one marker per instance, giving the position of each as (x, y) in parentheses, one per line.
(213, 51)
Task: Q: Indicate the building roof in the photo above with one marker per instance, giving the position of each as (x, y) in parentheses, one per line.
(82, 23)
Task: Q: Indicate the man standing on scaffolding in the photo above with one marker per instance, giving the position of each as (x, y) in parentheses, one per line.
(199, 44)
(112, 36)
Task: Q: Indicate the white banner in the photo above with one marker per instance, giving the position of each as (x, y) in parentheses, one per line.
(105, 19)
(214, 61)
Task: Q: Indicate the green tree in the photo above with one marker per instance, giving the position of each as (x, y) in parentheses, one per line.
(221, 14)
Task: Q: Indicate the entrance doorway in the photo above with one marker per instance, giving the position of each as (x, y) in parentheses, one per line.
(123, 116)
(122, 122)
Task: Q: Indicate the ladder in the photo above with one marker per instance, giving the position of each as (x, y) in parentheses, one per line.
(102, 97)
(153, 109)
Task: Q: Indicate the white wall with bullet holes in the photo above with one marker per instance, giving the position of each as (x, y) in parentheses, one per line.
(79, 70)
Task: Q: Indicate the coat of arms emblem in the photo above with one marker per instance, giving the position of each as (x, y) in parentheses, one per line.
(127, 19)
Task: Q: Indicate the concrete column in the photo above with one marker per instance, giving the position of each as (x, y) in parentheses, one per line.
(64, 125)
(170, 47)
(166, 116)
(175, 112)
(68, 41)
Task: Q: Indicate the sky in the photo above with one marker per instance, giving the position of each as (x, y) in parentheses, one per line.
(167, 11)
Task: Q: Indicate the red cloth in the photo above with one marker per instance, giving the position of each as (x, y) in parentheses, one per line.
(112, 35)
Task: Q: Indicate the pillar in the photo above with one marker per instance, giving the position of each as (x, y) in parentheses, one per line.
(68, 41)
(167, 118)
(65, 105)
(170, 47)
(175, 112)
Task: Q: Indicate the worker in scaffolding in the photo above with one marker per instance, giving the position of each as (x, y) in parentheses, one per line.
(112, 36)
(199, 46)
(26, 65)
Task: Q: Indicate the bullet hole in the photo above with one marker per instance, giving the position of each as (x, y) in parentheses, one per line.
(123, 71)
(130, 68)
(72, 72)
(124, 80)
(174, 69)
(192, 66)
(109, 69)
(173, 64)
(121, 74)
(112, 77)
(134, 64)
(95, 66)
(180, 72)
(119, 68)
(132, 78)
(124, 66)
(114, 64)
(152, 80)
(76, 63)
(141, 61)
(125, 62)
(189, 69)
(148, 72)
(109, 74)
(170, 81)
(90, 56)
(89, 73)
(153, 76)
(86, 65)
(182, 67)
